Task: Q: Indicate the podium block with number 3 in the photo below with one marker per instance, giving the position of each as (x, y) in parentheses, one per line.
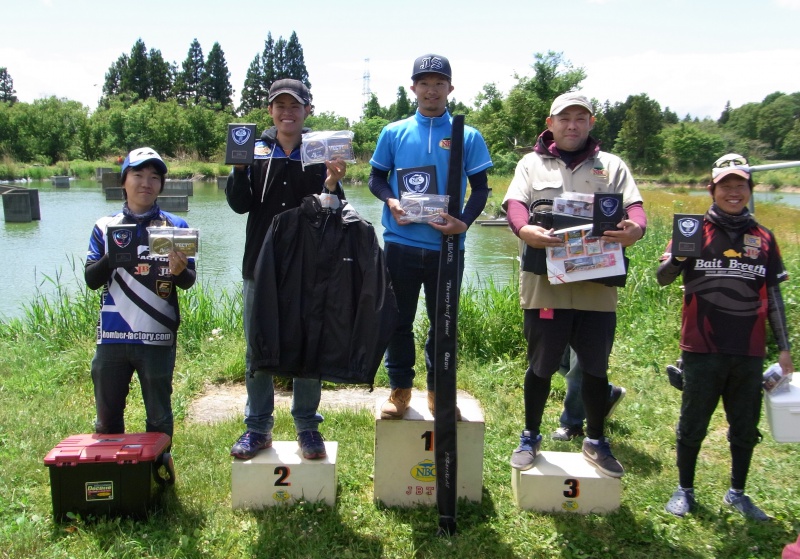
(565, 482)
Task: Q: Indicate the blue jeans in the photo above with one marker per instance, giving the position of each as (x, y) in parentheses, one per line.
(258, 411)
(410, 269)
(112, 370)
(573, 413)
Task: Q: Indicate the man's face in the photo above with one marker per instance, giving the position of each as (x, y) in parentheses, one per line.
(432, 91)
(142, 186)
(288, 114)
(732, 194)
(571, 127)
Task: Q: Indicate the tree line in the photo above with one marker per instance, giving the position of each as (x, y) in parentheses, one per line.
(183, 111)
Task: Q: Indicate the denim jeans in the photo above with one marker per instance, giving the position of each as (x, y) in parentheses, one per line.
(573, 413)
(260, 406)
(112, 370)
(410, 269)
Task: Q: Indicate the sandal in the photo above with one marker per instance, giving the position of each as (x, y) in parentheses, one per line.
(681, 502)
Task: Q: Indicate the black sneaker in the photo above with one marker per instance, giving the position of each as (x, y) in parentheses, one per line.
(311, 445)
(681, 503)
(523, 457)
(567, 433)
(615, 396)
(599, 455)
(250, 443)
(744, 505)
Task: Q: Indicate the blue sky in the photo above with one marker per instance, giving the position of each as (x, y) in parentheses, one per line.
(690, 55)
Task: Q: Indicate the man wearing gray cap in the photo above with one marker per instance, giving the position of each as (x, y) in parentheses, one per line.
(580, 314)
(419, 147)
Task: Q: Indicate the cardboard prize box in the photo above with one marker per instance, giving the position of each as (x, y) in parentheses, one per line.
(583, 257)
(783, 412)
(115, 474)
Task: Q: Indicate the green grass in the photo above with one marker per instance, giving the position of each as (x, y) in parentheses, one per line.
(46, 395)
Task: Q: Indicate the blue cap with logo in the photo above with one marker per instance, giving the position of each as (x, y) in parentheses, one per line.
(142, 156)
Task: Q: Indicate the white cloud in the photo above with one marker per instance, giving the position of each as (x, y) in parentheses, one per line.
(790, 4)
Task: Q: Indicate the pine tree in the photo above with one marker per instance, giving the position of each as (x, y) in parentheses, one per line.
(160, 76)
(136, 75)
(268, 73)
(188, 84)
(216, 84)
(7, 93)
(279, 59)
(253, 93)
(294, 62)
(112, 85)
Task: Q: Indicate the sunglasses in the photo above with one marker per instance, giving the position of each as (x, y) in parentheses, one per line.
(730, 161)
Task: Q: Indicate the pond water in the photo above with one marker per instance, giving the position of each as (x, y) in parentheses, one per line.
(37, 255)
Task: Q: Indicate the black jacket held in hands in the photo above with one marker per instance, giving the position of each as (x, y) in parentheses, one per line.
(324, 306)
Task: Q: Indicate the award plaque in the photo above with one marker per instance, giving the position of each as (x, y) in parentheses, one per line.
(687, 234)
(240, 145)
(122, 247)
(607, 212)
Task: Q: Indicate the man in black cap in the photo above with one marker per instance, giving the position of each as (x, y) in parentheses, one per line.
(420, 147)
(274, 183)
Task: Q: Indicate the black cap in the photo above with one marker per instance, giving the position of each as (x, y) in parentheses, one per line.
(431, 63)
(295, 88)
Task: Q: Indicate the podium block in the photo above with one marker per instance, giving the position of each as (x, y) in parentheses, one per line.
(405, 470)
(280, 475)
(565, 482)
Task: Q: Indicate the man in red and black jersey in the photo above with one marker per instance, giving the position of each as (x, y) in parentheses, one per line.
(730, 292)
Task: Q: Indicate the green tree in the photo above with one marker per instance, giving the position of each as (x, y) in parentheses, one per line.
(670, 117)
(216, 79)
(7, 92)
(327, 121)
(254, 95)
(206, 131)
(365, 135)
(160, 76)
(279, 59)
(744, 120)
(776, 119)
(725, 115)
(135, 77)
(112, 86)
(189, 81)
(402, 107)
(691, 149)
(269, 73)
(53, 126)
(373, 109)
(294, 61)
(639, 141)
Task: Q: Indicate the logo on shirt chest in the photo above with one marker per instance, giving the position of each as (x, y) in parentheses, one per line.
(142, 269)
(444, 143)
(163, 288)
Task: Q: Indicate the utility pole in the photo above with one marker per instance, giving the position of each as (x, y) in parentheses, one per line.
(366, 92)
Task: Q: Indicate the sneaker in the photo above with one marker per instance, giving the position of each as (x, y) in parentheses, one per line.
(744, 505)
(599, 455)
(682, 502)
(250, 443)
(432, 405)
(522, 458)
(614, 398)
(397, 404)
(567, 433)
(311, 444)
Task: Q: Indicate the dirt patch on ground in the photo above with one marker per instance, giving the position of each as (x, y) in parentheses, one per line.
(221, 402)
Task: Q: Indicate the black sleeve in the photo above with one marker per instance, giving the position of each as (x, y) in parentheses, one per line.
(238, 190)
(379, 184)
(186, 279)
(479, 184)
(97, 273)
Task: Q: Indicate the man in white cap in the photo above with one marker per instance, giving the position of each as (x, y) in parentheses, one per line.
(139, 314)
(579, 314)
(729, 293)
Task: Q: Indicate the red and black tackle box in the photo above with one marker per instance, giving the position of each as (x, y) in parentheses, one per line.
(102, 474)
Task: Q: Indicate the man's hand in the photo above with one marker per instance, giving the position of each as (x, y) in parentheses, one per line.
(539, 237)
(627, 234)
(397, 211)
(337, 169)
(453, 226)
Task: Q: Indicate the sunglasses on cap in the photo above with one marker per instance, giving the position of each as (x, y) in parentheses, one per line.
(731, 160)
